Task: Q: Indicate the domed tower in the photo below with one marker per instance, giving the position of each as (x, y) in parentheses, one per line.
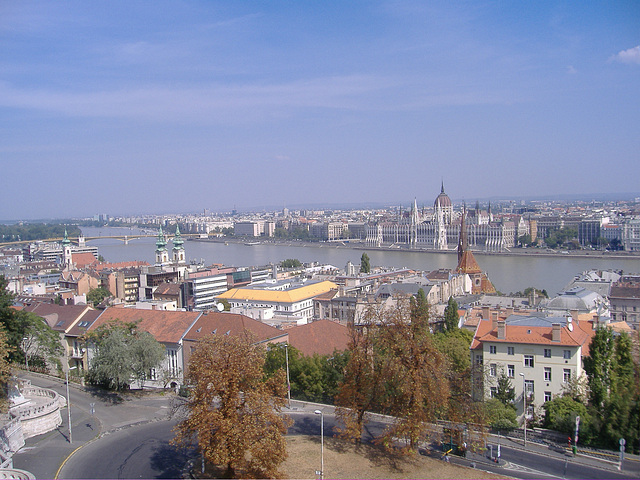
(178, 248)
(443, 202)
(162, 255)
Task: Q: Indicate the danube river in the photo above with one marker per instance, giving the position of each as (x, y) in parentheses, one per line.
(509, 273)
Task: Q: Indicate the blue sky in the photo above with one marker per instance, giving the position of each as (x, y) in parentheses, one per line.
(155, 106)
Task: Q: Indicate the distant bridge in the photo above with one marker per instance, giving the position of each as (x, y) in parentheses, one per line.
(123, 238)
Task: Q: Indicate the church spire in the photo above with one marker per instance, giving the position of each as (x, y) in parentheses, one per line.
(463, 241)
(178, 248)
(162, 256)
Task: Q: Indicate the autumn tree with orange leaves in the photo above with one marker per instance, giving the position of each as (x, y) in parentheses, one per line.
(399, 367)
(233, 411)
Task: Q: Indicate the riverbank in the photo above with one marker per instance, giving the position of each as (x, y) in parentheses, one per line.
(358, 245)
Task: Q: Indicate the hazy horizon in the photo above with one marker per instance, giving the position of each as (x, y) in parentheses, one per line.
(124, 107)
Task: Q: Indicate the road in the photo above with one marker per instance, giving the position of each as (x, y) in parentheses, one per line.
(130, 438)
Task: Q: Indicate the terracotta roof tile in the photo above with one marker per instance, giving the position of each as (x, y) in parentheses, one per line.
(165, 326)
(222, 323)
(322, 337)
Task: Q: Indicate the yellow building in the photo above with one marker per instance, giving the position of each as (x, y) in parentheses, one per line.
(286, 298)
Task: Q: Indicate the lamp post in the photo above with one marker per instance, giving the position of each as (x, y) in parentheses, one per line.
(66, 373)
(318, 412)
(26, 353)
(286, 355)
(524, 406)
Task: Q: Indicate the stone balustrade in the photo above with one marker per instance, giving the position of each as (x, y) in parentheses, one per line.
(42, 413)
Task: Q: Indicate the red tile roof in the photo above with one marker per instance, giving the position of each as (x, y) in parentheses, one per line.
(580, 336)
(165, 326)
(225, 323)
(322, 337)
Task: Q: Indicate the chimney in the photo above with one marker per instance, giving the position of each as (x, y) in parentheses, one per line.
(596, 321)
(485, 312)
(502, 330)
(555, 334)
(509, 311)
(574, 316)
(494, 320)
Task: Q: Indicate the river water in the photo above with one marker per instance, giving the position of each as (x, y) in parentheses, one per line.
(509, 273)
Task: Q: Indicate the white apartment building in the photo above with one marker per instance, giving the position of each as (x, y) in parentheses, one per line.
(539, 354)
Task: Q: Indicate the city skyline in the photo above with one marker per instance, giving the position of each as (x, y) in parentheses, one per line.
(175, 107)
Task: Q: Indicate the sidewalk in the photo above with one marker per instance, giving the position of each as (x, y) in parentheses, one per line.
(43, 455)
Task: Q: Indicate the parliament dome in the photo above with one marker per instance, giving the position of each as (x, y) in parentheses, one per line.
(442, 200)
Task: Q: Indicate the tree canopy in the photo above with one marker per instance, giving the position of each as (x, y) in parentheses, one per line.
(97, 295)
(123, 353)
(234, 409)
(5, 369)
(365, 263)
(291, 263)
(451, 317)
(398, 367)
(27, 335)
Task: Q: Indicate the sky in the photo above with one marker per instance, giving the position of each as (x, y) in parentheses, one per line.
(159, 106)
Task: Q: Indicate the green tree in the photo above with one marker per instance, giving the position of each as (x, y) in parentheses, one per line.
(122, 353)
(524, 240)
(419, 306)
(5, 370)
(500, 416)
(560, 415)
(97, 295)
(504, 391)
(451, 316)
(291, 263)
(27, 335)
(234, 410)
(365, 263)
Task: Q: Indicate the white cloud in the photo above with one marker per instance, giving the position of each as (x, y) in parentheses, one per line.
(571, 70)
(631, 55)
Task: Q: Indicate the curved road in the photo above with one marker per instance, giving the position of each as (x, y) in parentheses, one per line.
(145, 452)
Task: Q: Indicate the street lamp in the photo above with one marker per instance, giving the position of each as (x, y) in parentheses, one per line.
(66, 373)
(524, 406)
(286, 354)
(318, 412)
(25, 347)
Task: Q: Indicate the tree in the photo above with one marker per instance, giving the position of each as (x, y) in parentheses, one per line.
(146, 354)
(291, 263)
(234, 411)
(451, 317)
(560, 415)
(5, 370)
(27, 335)
(97, 295)
(123, 353)
(614, 390)
(524, 240)
(365, 263)
(504, 391)
(499, 415)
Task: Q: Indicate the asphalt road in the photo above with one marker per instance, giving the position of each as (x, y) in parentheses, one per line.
(130, 438)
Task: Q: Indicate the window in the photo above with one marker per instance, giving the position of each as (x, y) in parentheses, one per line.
(566, 354)
(528, 361)
(492, 349)
(528, 386)
(547, 397)
(547, 353)
(566, 375)
(511, 371)
(478, 359)
(547, 374)
(510, 351)
(493, 391)
(493, 370)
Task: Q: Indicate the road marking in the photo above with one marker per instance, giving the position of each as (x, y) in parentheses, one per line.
(521, 468)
